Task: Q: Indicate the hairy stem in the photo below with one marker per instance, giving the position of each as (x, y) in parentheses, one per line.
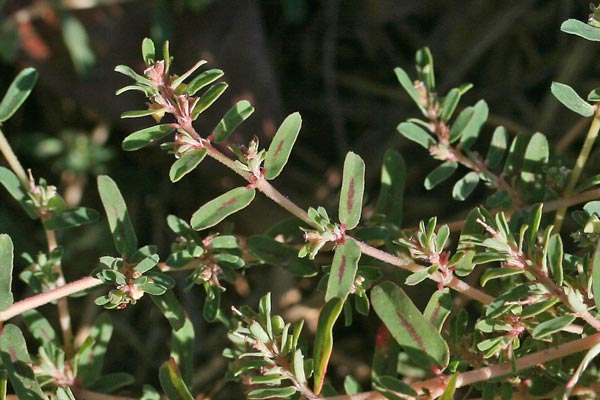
(266, 188)
(47, 297)
(579, 164)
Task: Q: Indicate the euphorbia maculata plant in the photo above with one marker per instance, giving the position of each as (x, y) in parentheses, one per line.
(536, 331)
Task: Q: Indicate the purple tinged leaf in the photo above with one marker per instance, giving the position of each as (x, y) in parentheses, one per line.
(220, 208)
(343, 270)
(144, 137)
(6, 271)
(324, 340)
(351, 195)
(419, 337)
(281, 145)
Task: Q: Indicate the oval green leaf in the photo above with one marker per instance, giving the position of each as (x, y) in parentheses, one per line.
(6, 271)
(415, 133)
(172, 382)
(17, 93)
(209, 97)
(343, 270)
(118, 217)
(218, 209)
(71, 218)
(554, 325)
(450, 103)
(234, 117)
(470, 126)
(497, 147)
(144, 137)
(579, 28)
(419, 337)
(465, 186)
(269, 393)
(440, 174)
(324, 340)
(148, 51)
(570, 99)
(186, 164)
(353, 187)
(281, 145)
(17, 362)
(409, 87)
(202, 80)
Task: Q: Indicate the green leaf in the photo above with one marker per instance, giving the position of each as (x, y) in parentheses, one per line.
(579, 28)
(71, 218)
(15, 359)
(351, 194)
(211, 310)
(351, 385)
(220, 208)
(532, 181)
(465, 186)
(389, 383)
(40, 327)
(515, 154)
(148, 51)
(202, 80)
(535, 218)
(497, 147)
(596, 275)
(172, 382)
(324, 340)
(171, 309)
(269, 250)
(343, 270)
(438, 308)
(180, 79)
(125, 70)
(425, 68)
(440, 174)
(78, 44)
(12, 184)
(140, 113)
(118, 217)
(415, 133)
(555, 258)
(6, 271)
(17, 92)
(391, 195)
(537, 308)
(186, 164)
(234, 117)
(281, 145)
(495, 273)
(419, 337)
(64, 394)
(450, 388)
(182, 350)
(90, 361)
(594, 95)
(587, 359)
(144, 137)
(409, 87)
(468, 124)
(449, 104)
(570, 99)
(208, 98)
(269, 393)
(554, 325)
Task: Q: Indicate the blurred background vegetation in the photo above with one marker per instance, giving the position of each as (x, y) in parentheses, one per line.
(332, 60)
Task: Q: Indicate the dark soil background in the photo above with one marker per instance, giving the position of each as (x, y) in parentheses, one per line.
(332, 60)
